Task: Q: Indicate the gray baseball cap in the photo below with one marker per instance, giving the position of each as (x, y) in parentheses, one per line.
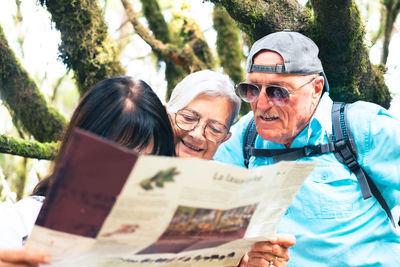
(299, 53)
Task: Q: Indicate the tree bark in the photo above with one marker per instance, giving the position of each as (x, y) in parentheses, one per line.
(28, 149)
(344, 55)
(392, 8)
(86, 47)
(157, 24)
(24, 100)
(228, 48)
(260, 17)
(184, 57)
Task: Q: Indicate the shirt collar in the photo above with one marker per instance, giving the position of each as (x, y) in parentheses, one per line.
(322, 117)
(319, 127)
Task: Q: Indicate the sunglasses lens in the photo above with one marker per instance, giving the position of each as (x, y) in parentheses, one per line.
(248, 92)
(278, 95)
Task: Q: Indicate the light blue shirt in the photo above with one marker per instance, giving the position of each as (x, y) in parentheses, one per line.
(333, 224)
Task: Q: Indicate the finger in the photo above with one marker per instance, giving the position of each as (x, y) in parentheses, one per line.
(7, 264)
(261, 255)
(275, 251)
(280, 262)
(244, 261)
(266, 260)
(285, 240)
(270, 249)
(257, 262)
(24, 255)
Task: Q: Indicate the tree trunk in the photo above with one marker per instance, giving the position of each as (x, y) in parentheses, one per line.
(260, 17)
(344, 55)
(86, 47)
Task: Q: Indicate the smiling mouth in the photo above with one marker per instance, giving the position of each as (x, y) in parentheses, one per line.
(267, 118)
(197, 149)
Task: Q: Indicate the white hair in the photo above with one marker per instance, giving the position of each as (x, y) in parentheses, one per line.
(204, 82)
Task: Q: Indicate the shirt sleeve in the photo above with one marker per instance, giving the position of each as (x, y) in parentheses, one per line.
(17, 221)
(377, 135)
(231, 151)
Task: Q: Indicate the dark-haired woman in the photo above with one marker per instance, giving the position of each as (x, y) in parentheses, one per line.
(121, 109)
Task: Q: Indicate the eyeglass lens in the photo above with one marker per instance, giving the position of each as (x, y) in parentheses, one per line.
(250, 92)
(188, 120)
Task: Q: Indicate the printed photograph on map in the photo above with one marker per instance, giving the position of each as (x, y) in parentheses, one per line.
(196, 228)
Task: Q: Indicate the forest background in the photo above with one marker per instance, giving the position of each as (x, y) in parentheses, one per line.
(161, 41)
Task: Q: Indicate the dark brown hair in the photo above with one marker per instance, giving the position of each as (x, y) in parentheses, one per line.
(124, 110)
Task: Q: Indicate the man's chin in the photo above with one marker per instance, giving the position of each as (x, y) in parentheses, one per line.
(272, 137)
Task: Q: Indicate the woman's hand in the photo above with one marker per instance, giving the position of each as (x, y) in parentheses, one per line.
(23, 257)
(274, 252)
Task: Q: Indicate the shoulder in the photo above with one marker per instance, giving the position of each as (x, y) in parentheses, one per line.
(231, 151)
(371, 120)
(376, 133)
(18, 220)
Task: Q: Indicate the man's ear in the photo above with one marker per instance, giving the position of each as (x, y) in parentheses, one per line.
(318, 89)
(227, 137)
(318, 86)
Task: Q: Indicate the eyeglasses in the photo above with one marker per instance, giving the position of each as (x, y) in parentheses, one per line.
(187, 120)
(279, 95)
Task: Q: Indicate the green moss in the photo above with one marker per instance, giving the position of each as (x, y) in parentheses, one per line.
(258, 18)
(29, 149)
(193, 37)
(228, 48)
(86, 47)
(344, 55)
(157, 24)
(24, 100)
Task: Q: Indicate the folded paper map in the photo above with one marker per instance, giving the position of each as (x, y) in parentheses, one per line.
(110, 207)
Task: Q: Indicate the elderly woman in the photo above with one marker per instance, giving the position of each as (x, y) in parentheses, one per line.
(202, 108)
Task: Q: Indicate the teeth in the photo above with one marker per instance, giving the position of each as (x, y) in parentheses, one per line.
(191, 147)
(269, 118)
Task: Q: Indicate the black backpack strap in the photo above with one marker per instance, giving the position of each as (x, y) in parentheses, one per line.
(292, 153)
(288, 154)
(248, 141)
(346, 153)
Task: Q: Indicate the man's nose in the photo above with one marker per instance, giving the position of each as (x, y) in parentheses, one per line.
(263, 102)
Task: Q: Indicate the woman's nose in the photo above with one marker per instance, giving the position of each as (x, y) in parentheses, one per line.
(198, 131)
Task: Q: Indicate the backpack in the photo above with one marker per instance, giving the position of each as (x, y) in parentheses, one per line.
(341, 143)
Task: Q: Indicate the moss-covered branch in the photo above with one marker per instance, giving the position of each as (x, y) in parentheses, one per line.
(157, 24)
(184, 57)
(260, 17)
(229, 48)
(193, 37)
(345, 57)
(28, 149)
(24, 100)
(86, 47)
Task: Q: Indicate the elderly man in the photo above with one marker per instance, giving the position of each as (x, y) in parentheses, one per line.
(333, 224)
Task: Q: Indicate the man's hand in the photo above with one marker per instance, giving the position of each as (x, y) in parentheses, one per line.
(23, 257)
(274, 252)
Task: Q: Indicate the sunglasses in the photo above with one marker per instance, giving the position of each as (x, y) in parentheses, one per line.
(278, 95)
